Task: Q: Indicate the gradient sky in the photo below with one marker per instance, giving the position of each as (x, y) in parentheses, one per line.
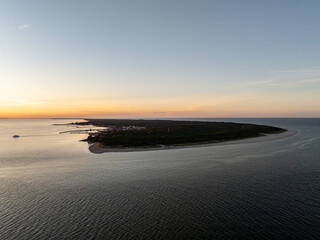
(92, 58)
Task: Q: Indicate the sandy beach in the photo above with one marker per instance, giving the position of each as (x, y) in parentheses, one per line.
(98, 148)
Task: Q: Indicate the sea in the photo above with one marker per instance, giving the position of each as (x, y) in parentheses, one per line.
(53, 187)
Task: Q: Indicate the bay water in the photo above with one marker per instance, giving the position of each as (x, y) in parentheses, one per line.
(53, 187)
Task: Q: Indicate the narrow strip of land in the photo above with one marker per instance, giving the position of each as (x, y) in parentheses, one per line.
(140, 135)
(99, 148)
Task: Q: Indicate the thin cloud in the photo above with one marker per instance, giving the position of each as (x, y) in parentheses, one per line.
(308, 70)
(304, 81)
(159, 112)
(22, 103)
(286, 78)
(24, 26)
(257, 82)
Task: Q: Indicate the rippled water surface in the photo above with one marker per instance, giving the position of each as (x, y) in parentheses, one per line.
(52, 187)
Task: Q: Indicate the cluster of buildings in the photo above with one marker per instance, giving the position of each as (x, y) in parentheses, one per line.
(126, 128)
(116, 128)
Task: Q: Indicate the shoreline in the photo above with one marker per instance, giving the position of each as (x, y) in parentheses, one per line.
(98, 148)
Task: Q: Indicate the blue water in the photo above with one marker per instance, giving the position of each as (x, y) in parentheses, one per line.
(52, 187)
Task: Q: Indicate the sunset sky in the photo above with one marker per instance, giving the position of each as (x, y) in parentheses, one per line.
(122, 59)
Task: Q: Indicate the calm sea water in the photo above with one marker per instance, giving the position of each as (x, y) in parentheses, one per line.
(52, 187)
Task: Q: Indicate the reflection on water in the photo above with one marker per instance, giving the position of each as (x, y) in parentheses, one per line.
(53, 187)
(39, 141)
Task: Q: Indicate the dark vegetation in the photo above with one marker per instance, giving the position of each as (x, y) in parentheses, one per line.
(167, 132)
(80, 123)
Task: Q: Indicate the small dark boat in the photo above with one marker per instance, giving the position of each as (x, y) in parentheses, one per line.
(16, 136)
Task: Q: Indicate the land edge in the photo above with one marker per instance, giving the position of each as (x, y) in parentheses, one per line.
(98, 148)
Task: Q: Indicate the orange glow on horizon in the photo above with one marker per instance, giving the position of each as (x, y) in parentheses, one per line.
(230, 106)
(127, 113)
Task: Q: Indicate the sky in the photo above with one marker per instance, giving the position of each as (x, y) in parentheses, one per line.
(159, 59)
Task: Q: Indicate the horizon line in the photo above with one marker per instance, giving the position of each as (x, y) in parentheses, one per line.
(135, 118)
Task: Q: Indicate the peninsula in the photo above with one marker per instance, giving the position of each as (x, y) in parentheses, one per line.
(123, 133)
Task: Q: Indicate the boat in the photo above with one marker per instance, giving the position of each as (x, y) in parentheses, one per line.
(16, 136)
